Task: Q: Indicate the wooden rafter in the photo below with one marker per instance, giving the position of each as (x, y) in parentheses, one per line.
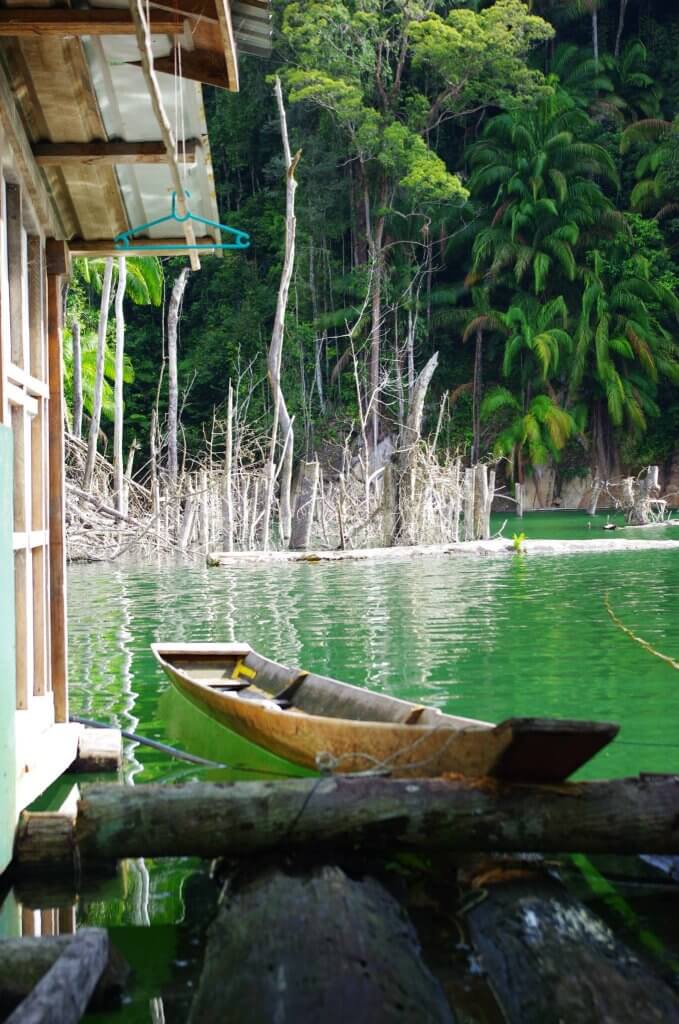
(105, 246)
(60, 154)
(198, 66)
(63, 21)
(15, 135)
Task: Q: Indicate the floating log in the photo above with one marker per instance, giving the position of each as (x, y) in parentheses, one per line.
(311, 947)
(64, 991)
(549, 959)
(452, 814)
(23, 962)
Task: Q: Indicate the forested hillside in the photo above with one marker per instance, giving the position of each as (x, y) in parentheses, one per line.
(496, 182)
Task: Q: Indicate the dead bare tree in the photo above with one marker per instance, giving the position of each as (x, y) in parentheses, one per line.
(77, 380)
(172, 387)
(118, 470)
(99, 374)
(282, 419)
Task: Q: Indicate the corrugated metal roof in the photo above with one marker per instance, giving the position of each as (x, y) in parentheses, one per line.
(127, 114)
(87, 89)
(252, 27)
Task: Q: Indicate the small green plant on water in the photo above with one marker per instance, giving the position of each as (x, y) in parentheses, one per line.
(517, 541)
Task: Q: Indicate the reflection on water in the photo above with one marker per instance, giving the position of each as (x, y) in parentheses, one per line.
(485, 637)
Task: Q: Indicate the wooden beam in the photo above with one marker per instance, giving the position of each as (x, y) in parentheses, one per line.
(57, 257)
(106, 247)
(65, 154)
(20, 147)
(64, 21)
(206, 10)
(57, 515)
(228, 38)
(198, 66)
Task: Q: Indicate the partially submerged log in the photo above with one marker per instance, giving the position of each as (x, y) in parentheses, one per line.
(314, 947)
(23, 962)
(62, 994)
(549, 959)
(458, 814)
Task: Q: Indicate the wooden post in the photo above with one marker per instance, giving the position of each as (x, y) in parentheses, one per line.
(468, 504)
(305, 491)
(57, 552)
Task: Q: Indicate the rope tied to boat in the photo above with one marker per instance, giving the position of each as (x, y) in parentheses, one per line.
(330, 764)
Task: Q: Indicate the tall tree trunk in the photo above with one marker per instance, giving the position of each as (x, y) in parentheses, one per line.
(621, 26)
(595, 35)
(284, 422)
(318, 340)
(172, 388)
(476, 398)
(99, 375)
(118, 471)
(77, 380)
(376, 238)
(227, 502)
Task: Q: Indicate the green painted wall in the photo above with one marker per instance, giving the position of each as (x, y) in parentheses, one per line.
(7, 653)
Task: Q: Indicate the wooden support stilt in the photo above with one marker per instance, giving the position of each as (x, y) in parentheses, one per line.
(57, 552)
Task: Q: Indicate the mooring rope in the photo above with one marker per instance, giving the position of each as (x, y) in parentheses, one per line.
(633, 636)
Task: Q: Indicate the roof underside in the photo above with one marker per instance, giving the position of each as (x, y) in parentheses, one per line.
(89, 88)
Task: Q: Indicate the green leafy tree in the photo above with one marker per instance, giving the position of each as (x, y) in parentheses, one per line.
(537, 429)
(623, 348)
(351, 60)
(538, 175)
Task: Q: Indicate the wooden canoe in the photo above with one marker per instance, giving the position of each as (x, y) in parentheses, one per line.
(325, 724)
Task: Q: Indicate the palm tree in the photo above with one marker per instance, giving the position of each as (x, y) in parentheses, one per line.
(538, 178)
(538, 428)
(580, 78)
(622, 348)
(536, 337)
(658, 167)
(88, 362)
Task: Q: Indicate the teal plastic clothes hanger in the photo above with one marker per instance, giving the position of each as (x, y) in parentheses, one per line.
(125, 240)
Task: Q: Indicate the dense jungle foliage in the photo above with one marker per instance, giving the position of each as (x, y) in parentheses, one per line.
(498, 182)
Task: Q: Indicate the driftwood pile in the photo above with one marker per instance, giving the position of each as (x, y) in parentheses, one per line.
(393, 496)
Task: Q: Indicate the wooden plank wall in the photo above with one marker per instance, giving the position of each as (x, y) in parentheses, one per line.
(25, 377)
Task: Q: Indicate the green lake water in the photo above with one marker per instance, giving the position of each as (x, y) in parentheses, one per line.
(486, 637)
